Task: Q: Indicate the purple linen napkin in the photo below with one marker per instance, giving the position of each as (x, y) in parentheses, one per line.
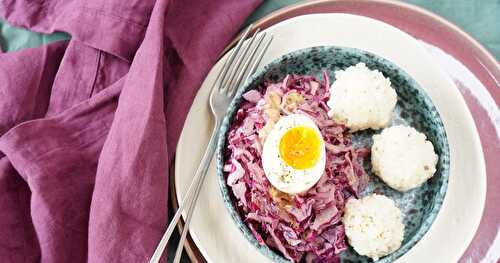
(88, 127)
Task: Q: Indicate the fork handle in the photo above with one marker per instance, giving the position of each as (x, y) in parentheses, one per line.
(204, 169)
(196, 183)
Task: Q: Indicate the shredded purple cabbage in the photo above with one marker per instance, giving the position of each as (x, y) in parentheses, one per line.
(304, 227)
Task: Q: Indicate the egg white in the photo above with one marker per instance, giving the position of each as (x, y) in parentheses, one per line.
(281, 175)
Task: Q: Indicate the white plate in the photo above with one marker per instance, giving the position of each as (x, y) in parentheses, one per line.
(212, 229)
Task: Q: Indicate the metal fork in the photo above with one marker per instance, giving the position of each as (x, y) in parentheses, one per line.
(246, 54)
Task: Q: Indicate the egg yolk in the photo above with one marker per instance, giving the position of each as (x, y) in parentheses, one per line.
(300, 147)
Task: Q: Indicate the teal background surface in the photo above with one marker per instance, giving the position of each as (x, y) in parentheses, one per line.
(479, 18)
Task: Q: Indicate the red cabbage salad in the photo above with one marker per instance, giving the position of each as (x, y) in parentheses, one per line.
(306, 226)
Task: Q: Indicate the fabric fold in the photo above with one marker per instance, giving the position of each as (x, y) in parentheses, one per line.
(26, 83)
(57, 158)
(116, 27)
(129, 202)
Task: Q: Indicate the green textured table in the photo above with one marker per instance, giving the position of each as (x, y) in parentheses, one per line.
(480, 18)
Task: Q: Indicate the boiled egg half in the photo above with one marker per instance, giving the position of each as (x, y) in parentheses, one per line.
(294, 155)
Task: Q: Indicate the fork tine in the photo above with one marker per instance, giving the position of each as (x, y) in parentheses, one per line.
(227, 84)
(250, 59)
(214, 84)
(229, 61)
(255, 64)
(260, 56)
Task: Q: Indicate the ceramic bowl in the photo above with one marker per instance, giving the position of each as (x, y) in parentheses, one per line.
(420, 206)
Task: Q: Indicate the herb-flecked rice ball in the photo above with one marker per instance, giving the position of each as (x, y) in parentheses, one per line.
(403, 157)
(373, 225)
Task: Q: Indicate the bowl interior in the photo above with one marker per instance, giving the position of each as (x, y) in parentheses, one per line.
(419, 206)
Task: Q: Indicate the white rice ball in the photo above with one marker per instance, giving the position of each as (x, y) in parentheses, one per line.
(373, 225)
(361, 98)
(403, 157)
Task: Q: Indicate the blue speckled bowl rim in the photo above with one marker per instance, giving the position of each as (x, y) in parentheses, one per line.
(265, 250)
